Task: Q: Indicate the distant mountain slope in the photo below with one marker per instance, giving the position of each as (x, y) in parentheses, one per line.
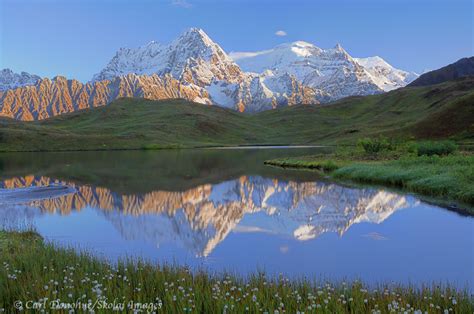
(439, 111)
(461, 68)
(10, 79)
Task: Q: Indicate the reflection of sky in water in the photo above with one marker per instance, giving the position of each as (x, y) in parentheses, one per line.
(254, 223)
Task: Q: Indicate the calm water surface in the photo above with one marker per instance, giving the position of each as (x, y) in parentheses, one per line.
(225, 210)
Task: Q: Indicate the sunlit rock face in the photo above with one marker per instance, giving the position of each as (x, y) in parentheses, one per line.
(201, 217)
(49, 98)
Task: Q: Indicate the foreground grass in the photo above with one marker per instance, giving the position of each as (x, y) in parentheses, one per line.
(448, 177)
(35, 271)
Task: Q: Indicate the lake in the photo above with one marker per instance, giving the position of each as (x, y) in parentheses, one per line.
(222, 209)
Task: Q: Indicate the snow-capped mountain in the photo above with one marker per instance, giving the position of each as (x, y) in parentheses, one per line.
(194, 59)
(256, 81)
(331, 71)
(195, 68)
(384, 75)
(10, 79)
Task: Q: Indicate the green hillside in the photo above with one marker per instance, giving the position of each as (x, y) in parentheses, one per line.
(461, 68)
(438, 111)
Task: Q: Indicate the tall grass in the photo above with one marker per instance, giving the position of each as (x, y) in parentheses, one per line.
(448, 177)
(33, 270)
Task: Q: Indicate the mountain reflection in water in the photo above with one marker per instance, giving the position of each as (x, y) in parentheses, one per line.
(200, 218)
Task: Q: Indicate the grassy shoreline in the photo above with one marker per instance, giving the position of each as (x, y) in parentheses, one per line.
(446, 178)
(33, 270)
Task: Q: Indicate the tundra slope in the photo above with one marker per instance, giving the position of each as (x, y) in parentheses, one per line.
(439, 111)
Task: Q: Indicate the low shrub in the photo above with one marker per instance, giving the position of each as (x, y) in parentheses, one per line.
(440, 148)
(383, 147)
(375, 145)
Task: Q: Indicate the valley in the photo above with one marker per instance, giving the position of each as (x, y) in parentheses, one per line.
(440, 111)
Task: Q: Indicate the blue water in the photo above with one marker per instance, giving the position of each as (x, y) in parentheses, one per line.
(274, 220)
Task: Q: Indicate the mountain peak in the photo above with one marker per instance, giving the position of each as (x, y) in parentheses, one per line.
(340, 51)
(59, 78)
(195, 31)
(192, 58)
(194, 35)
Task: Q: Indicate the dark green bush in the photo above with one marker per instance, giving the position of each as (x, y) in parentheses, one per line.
(375, 145)
(440, 148)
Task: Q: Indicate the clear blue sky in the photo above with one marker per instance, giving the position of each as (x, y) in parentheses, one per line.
(77, 38)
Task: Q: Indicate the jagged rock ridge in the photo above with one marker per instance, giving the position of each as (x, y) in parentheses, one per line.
(50, 98)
